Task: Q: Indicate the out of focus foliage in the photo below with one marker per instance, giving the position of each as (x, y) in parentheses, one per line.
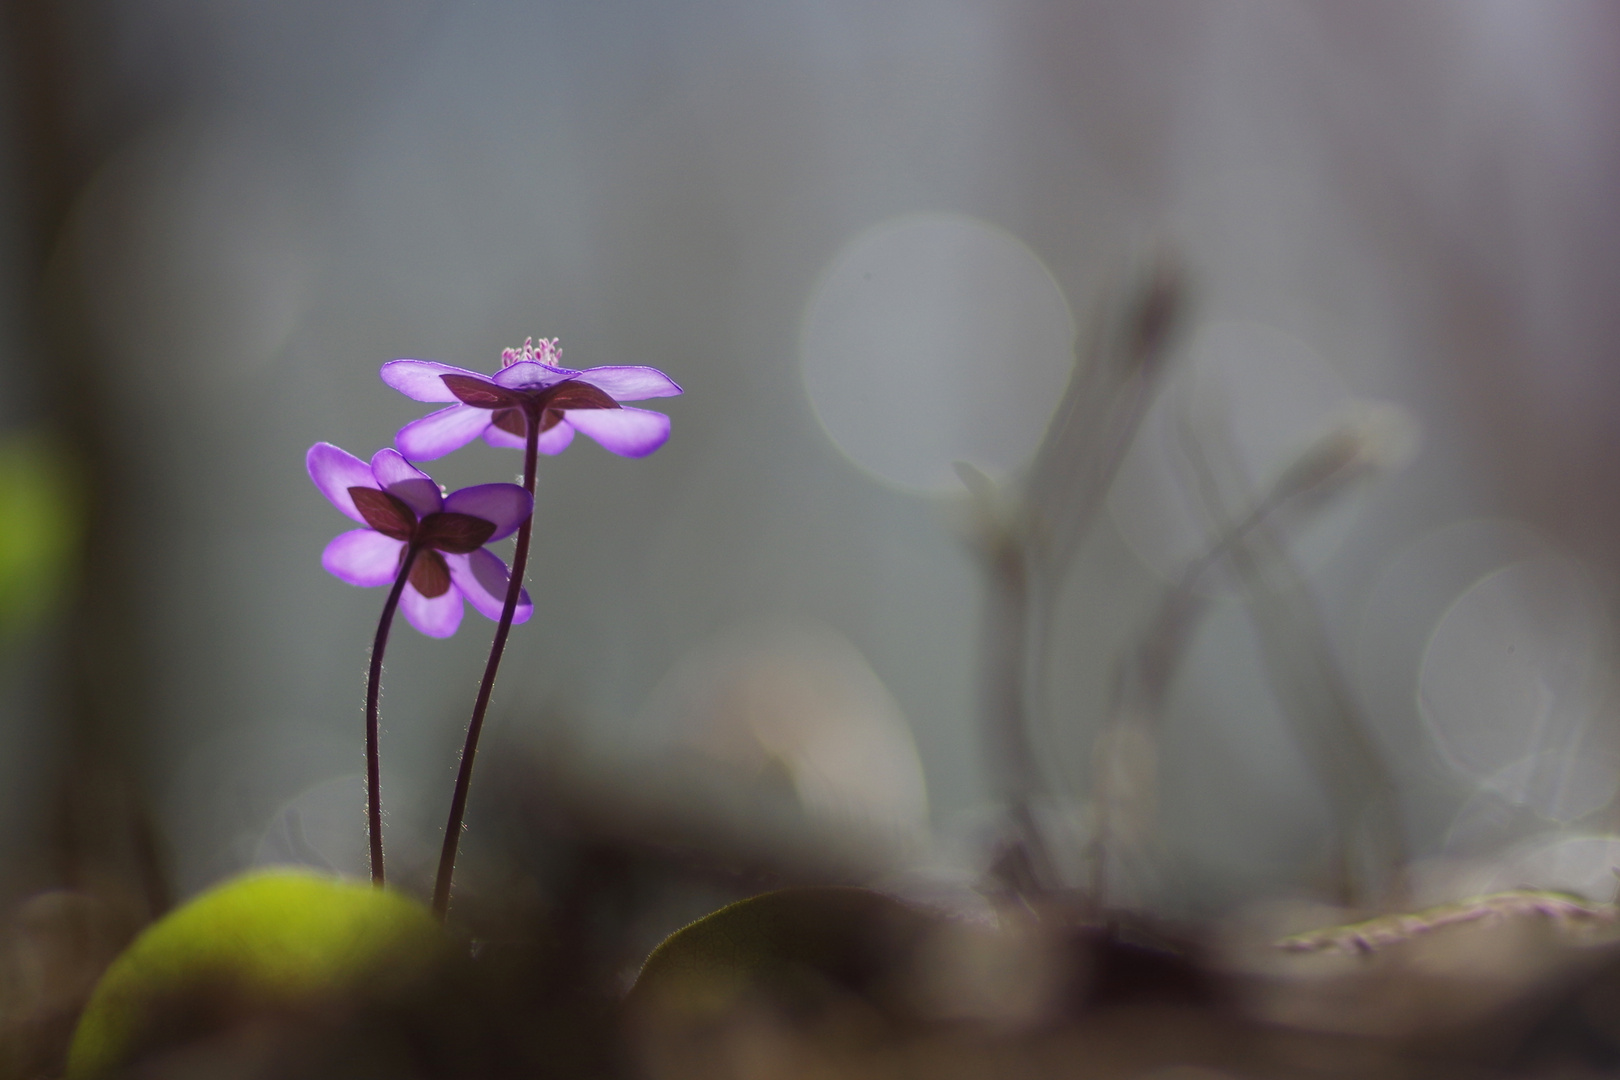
(803, 944)
(42, 516)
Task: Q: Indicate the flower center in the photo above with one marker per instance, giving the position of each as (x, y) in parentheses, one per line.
(445, 531)
(512, 406)
(546, 353)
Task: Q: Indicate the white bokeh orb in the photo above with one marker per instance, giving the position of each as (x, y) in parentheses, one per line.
(936, 338)
(1512, 683)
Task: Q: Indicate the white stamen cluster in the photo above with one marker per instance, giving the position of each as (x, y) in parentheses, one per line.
(546, 352)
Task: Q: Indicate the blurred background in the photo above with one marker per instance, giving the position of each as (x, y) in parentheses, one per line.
(869, 241)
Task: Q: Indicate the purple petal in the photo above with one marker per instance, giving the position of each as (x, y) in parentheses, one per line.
(363, 557)
(438, 433)
(507, 505)
(556, 440)
(627, 432)
(482, 578)
(551, 442)
(496, 436)
(390, 467)
(419, 379)
(335, 472)
(631, 383)
(530, 375)
(406, 482)
(437, 617)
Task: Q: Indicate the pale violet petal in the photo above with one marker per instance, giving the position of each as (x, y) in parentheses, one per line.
(530, 375)
(630, 383)
(363, 557)
(556, 440)
(628, 432)
(437, 617)
(438, 433)
(483, 579)
(406, 482)
(390, 467)
(335, 472)
(495, 436)
(419, 379)
(506, 505)
(552, 441)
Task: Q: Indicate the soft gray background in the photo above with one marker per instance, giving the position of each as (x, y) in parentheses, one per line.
(282, 197)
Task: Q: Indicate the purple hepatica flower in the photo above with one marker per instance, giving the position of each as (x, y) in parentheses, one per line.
(404, 510)
(530, 382)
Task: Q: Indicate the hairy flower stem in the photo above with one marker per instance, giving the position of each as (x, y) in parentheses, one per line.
(373, 689)
(514, 589)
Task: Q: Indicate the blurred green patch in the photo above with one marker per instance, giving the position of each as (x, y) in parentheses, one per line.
(272, 947)
(41, 527)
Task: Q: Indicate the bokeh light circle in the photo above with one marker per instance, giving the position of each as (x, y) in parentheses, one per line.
(1510, 681)
(323, 826)
(779, 701)
(1413, 590)
(936, 338)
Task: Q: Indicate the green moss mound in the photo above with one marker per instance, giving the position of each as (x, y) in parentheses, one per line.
(278, 941)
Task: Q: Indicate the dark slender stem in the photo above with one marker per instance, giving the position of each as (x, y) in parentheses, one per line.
(514, 589)
(373, 766)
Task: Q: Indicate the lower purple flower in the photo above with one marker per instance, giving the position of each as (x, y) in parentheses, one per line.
(403, 510)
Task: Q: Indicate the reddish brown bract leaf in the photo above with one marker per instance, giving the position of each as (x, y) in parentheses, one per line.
(510, 420)
(481, 394)
(459, 534)
(579, 395)
(430, 575)
(383, 512)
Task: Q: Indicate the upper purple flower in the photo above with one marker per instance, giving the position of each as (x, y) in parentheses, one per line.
(403, 508)
(530, 381)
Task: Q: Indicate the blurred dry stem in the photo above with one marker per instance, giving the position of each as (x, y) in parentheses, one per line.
(1132, 340)
(1029, 533)
(1124, 782)
(1572, 913)
(1299, 661)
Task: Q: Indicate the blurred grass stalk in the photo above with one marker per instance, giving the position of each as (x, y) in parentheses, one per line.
(1027, 536)
(1125, 755)
(1029, 533)
(1296, 651)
